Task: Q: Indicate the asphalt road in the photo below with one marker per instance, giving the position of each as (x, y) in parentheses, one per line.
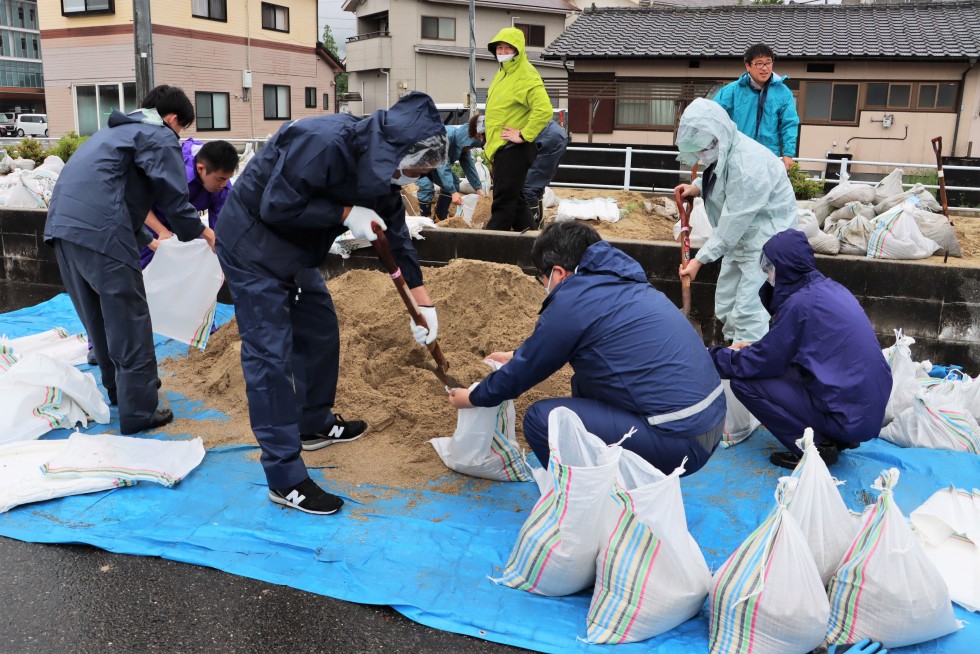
(75, 598)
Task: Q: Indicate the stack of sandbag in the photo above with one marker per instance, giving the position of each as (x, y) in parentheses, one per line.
(896, 235)
(604, 209)
(890, 185)
(841, 195)
(885, 587)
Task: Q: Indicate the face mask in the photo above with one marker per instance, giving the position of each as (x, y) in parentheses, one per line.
(709, 155)
(771, 275)
(504, 58)
(547, 289)
(403, 180)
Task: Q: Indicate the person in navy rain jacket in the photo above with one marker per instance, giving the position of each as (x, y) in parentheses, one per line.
(551, 144)
(95, 223)
(313, 180)
(637, 360)
(820, 365)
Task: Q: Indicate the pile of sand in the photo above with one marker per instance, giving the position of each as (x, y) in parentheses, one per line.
(483, 307)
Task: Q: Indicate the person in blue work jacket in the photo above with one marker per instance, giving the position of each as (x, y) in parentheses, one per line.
(95, 223)
(761, 104)
(551, 143)
(748, 198)
(460, 144)
(638, 363)
(313, 180)
(820, 365)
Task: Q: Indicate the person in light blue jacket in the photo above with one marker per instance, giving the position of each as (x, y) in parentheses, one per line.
(748, 198)
(460, 144)
(761, 104)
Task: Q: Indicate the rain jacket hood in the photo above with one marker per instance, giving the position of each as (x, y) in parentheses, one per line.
(706, 118)
(792, 256)
(516, 97)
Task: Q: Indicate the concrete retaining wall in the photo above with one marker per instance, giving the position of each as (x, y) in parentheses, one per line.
(938, 305)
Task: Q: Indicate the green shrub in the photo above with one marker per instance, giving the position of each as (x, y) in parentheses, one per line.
(804, 187)
(31, 149)
(67, 145)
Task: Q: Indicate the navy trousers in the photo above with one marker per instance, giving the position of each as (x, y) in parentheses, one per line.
(110, 299)
(542, 171)
(786, 408)
(611, 423)
(290, 357)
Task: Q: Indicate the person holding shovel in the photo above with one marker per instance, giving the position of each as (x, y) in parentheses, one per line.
(638, 362)
(313, 180)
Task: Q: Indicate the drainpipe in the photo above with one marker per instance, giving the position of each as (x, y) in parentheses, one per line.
(959, 104)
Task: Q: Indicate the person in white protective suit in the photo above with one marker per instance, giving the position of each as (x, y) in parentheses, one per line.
(748, 198)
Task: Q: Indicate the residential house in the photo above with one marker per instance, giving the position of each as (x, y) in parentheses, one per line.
(424, 45)
(247, 65)
(21, 79)
(877, 82)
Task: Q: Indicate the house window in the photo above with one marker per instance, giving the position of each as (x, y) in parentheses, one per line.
(213, 111)
(326, 101)
(443, 29)
(937, 96)
(533, 34)
(648, 105)
(882, 95)
(830, 102)
(275, 17)
(76, 7)
(210, 9)
(311, 98)
(94, 103)
(275, 100)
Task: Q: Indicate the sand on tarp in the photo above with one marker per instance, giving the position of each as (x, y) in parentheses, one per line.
(483, 308)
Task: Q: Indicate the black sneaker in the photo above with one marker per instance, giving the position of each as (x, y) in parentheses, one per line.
(159, 418)
(91, 359)
(342, 431)
(789, 460)
(307, 497)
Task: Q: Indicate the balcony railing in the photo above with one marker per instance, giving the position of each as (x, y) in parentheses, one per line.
(369, 35)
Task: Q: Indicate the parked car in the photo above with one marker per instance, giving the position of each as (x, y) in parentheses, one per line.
(31, 125)
(7, 124)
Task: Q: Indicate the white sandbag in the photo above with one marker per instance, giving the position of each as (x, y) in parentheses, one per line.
(51, 168)
(21, 191)
(133, 459)
(604, 209)
(922, 198)
(897, 236)
(853, 235)
(22, 482)
(485, 444)
(38, 394)
(549, 199)
(890, 185)
(804, 205)
(819, 509)
(485, 179)
(650, 574)
(23, 164)
(905, 385)
(416, 224)
(469, 207)
(822, 243)
(739, 422)
(806, 222)
(936, 227)
(948, 526)
(849, 211)
(934, 422)
(56, 343)
(700, 227)
(557, 547)
(244, 158)
(903, 598)
(6, 162)
(182, 283)
(849, 192)
(768, 593)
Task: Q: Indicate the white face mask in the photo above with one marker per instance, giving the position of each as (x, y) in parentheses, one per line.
(403, 180)
(771, 275)
(547, 289)
(503, 58)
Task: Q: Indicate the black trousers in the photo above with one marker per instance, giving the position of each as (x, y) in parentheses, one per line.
(510, 210)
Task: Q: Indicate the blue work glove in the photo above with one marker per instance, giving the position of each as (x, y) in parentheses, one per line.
(863, 647)
(942, 372)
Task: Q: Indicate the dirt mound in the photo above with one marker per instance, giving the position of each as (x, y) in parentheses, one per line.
(483, 307)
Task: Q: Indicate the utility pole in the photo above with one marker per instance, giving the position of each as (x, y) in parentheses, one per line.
(143, 33)
(472, 94)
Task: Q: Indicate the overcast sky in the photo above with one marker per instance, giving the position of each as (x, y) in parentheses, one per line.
(342, 23)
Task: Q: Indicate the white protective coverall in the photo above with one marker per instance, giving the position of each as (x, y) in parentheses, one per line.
(750, 201)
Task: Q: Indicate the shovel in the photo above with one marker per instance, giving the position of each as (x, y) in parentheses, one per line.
(384, 253)
(684, 208)
(937, 147)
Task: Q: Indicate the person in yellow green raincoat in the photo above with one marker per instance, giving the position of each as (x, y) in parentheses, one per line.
(518, 108)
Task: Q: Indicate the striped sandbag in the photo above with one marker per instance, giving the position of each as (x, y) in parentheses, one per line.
(512, 463)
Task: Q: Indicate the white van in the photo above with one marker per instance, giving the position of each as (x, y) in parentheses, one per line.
(31, 125)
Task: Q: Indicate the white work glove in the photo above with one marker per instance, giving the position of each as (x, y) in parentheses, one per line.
(359, 223)
(422, 335)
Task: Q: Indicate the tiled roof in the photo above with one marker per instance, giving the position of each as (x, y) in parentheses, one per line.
(947, 30)
(538, 5)
(534, 56)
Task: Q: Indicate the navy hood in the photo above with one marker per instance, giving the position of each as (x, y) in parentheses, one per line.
(603, 259)
(791, 254)
(383, 139)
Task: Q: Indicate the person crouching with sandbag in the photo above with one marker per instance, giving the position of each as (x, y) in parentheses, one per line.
(820, 364)
(638, 362)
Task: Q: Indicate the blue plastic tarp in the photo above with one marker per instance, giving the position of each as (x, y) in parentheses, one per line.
(427, 552)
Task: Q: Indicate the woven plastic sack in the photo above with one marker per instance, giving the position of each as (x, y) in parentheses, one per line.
(557, 547)
(890, 185)
(936, 227)
(936, 423)
(767, 598)
(650, 575)
(484, 444)
(739, 421)
(56, 343)
(886, 589)
(604, 209)
(904, 382)
(700, 227)
(922, 198)
(821, 242)
(819, 509)
(897, 236)
(848, 211)
(948, 526)
(853, 234)
(848, 192)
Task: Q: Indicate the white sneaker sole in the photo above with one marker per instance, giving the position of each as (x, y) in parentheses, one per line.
(282, 501)
(319, 445)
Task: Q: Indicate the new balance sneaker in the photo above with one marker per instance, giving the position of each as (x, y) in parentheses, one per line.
(342, 431)
(307, 497)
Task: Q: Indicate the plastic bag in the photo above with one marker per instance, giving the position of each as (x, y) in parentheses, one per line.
(948, 526)
(556, 548)
(182, 284)
(700, 227)
(890, 185)
(767, 597)
(903, 598)
(936, 423)
(739, 422)
(484, 444)
(897, 236)
(604, 209)
(650, 575)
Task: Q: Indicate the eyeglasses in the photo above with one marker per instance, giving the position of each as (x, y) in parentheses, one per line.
(544, 277)
(762, 65)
